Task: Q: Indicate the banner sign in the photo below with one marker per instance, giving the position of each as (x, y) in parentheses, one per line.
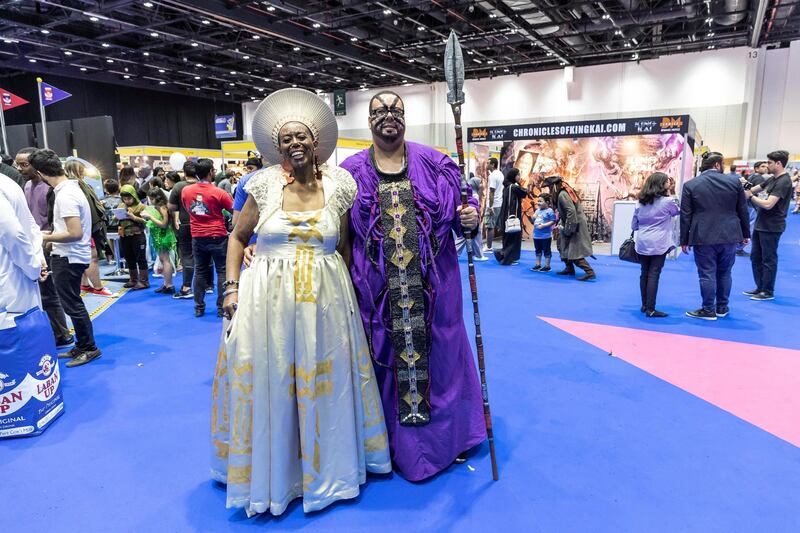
(587, 128)
(225, 126)
(10, 100)
(340, 102)
(51, 95)
(30, 379)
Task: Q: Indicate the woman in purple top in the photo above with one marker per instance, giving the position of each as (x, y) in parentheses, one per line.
(653, 220)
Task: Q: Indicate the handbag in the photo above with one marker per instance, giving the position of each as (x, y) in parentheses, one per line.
(513, 224)
(627, 251)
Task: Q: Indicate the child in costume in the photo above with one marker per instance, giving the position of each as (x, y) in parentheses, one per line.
(132, 242)
(162, 235)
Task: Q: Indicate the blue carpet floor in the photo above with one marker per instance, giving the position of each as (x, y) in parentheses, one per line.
(586, 442)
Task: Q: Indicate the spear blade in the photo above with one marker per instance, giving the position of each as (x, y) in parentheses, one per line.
(454, 70)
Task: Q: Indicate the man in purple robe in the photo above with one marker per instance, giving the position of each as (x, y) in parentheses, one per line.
(406, 275)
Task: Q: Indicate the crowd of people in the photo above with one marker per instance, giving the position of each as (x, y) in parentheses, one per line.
(164, 219)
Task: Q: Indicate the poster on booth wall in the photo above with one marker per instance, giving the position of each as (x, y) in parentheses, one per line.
(225, 126)
(30, 378)
(602, 170)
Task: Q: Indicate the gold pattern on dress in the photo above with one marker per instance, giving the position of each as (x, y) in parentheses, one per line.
(221, 448)
(242, 433)
(242, 369)
(239, 474)
(402, 259)
(303, 274)
(408, 398)
(376, 443)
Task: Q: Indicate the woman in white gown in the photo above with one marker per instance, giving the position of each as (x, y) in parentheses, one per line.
(296, 410)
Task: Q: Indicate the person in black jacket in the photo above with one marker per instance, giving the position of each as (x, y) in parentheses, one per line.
(512, 206)
(713, 221)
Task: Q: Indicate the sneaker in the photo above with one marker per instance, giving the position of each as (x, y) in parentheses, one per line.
(514, 263)
(536, 268)
(199, 312)
(544, 269)
(702, 314)
(157, 275)
(481, 258)
(72, 353)
(65, 342)
(165, 290)
(209, 290)
(742, 253)
(763, 296)
(722, 312)
(103, 292)
(86, 288)
(183, 295)
(655, 313)
(751, 292)
(587, 277)
(84, 357)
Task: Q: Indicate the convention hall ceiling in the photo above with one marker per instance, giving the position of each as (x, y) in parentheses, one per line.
(243, 49)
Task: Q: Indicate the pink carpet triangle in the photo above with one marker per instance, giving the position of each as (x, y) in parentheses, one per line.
(759, 384)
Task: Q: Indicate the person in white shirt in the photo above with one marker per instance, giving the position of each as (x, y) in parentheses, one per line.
(495, 202)
(71, 250)
(21, 258)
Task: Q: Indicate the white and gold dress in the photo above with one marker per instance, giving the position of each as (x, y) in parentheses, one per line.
(296, 410)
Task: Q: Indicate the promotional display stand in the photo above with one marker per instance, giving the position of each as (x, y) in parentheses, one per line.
(606, 161)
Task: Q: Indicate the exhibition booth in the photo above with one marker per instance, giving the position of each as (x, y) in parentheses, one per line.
(606, 161)
(159, 156)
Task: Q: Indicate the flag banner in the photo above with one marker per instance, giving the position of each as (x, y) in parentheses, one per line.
(10, 100)
(51, 95)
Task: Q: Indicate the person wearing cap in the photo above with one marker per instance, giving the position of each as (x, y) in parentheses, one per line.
(406, 274)
(574, 240)
(296, 410)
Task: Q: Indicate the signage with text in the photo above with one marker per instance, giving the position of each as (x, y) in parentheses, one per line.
(588, 128)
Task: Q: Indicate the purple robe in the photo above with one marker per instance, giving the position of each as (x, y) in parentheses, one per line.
(457, 422)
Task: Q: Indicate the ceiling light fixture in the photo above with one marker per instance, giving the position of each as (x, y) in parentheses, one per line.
(433, 68)
(296, 49)
(227, 93)
(311, 74)
(206, 22)
(105, 45)
(45, 31)
(197, 88)
(126, 77)
(711, 34)
(153, 34)
(83, 69)
(233, 72)
(32, 60)
(199, 65)
(197, 77)
(492, 15)
(195, 44)
(94, 19)
(232, 84)
(109, 60)
(67, 53)
(271, 8)
(162, 83)
(383, 50)
(148, 4)
(316, 25)
(327, 58)
(256, 37)
(353, 39)
(279, 65)
(145, 53)
(358, 67)
(420, 28)
(245, 57)
(387, 11)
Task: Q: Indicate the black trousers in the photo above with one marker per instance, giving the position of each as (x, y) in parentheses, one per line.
(67, 279)
(764, 259)
(134, 249)
(648, 280)
(52, 305)
(207, 250)
(187, 256)
(543, 246)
